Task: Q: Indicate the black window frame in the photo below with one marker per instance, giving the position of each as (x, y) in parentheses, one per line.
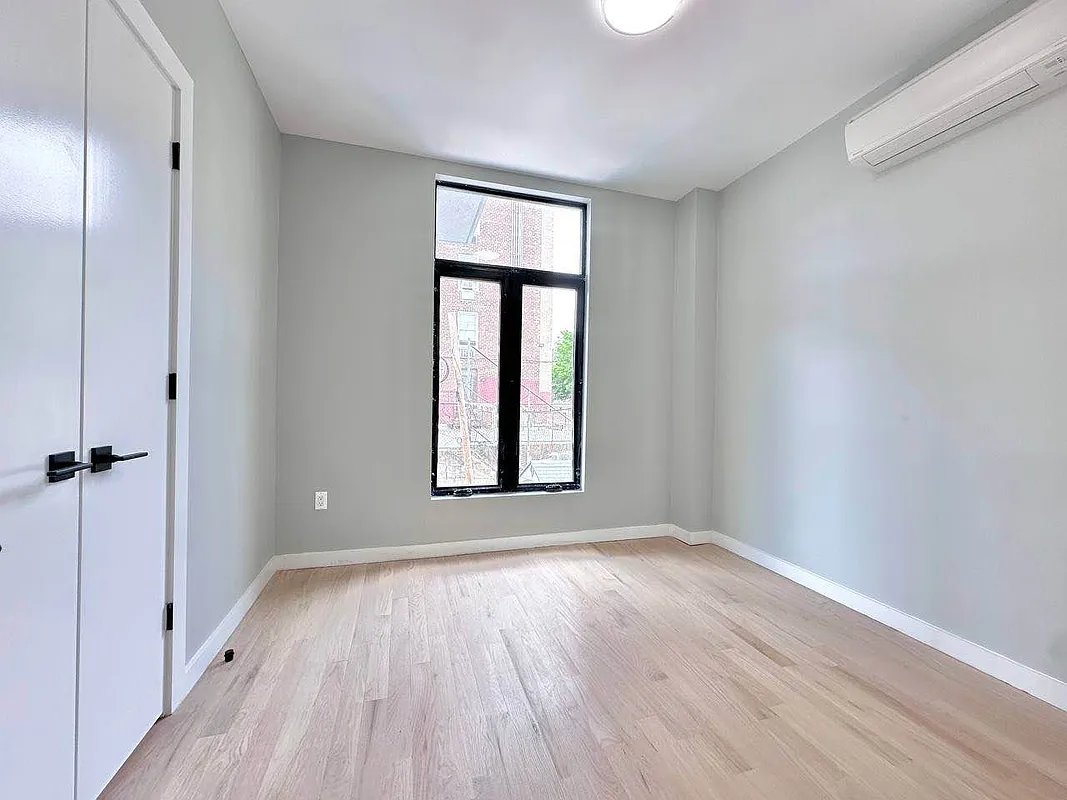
(512, 281)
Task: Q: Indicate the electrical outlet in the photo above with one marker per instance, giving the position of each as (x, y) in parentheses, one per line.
(320, 501)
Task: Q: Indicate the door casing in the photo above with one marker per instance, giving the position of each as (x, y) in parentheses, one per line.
(176, 677)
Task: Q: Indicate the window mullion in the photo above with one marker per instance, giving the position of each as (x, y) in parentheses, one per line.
(510, 379)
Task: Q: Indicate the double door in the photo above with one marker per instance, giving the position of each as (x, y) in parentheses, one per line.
(86, 192)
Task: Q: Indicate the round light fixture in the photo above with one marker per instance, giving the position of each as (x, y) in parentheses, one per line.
(634, 17)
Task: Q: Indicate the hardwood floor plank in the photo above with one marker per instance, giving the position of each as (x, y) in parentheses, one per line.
(644, 670)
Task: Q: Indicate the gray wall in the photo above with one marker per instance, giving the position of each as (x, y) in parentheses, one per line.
(881, 375)
(236, 162)
(892, 378)
(693, 354)
(355, 324)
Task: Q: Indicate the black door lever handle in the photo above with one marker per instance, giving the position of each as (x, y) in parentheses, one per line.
(64, 466)
(102, 458)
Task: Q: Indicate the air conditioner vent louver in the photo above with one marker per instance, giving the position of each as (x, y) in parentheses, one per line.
(969, 109)
(1016, 63)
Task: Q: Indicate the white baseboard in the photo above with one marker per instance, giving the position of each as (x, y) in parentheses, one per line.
(1044, 687)
(198, 664)
(682, 535)
(374, 555)
(1031, 681)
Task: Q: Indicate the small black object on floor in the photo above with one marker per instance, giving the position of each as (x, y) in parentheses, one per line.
(227, 656)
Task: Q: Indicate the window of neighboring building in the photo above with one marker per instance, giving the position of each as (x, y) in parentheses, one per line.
(467, 327)
(509, 341)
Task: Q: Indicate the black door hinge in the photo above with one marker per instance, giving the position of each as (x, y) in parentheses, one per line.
(170, 617)
(172, 386)
(175, 155)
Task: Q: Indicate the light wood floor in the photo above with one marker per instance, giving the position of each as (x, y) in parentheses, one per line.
(628, 670)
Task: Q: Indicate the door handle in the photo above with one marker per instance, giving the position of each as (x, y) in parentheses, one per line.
(102, 458)
(64, 466)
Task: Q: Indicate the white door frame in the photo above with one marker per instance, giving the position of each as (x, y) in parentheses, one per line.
(176, 683)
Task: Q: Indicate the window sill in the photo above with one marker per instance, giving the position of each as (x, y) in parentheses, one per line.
(490, 495)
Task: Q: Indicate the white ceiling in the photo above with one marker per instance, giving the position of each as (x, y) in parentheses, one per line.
(544, 87)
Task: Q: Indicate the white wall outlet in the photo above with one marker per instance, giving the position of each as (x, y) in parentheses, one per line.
(320, 501)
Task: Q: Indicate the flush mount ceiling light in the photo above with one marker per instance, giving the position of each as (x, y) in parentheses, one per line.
(634, 17)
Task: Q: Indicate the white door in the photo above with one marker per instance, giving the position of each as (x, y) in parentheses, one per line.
(41, 135)
(130, 115)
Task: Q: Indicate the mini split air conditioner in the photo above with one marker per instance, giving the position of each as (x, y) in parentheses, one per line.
(1012, 65)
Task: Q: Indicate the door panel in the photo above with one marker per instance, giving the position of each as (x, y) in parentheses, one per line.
(127, 319)
(41, 141)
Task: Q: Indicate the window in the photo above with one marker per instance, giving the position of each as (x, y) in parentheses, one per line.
(509, 341)
(467, 327)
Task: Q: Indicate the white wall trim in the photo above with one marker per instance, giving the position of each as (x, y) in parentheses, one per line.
(141, 22)
(684, 536)
(374, 555)
(1042, 686)
(203, 657)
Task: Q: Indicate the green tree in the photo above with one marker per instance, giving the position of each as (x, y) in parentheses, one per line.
(563, 366)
